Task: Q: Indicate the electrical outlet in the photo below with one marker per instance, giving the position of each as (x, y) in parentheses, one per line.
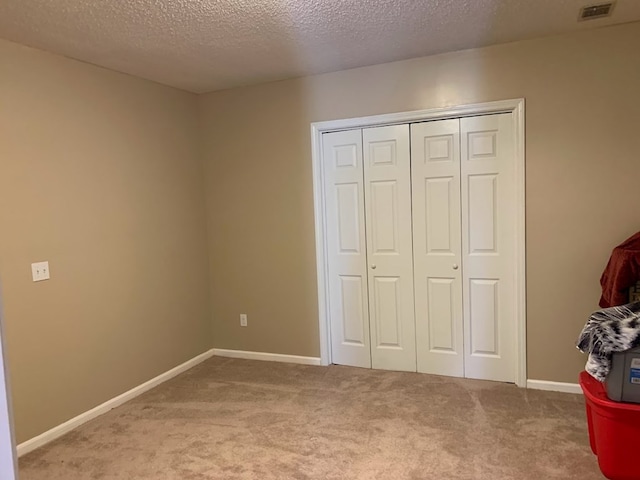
(243, 319)
(40, 271)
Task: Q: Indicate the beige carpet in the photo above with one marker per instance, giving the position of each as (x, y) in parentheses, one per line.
(240, 419)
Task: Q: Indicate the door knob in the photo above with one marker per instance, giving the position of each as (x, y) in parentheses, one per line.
(373, 267)
(455, 266)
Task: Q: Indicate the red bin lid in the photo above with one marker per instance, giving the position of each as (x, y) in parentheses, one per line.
(595, 392)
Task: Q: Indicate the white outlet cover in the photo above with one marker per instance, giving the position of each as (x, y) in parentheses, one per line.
(40, 271)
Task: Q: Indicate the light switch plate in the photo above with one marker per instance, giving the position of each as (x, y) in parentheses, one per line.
(40, 271)
(243, 319)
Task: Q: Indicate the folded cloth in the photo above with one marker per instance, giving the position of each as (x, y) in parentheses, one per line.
(607, 331)
(622, 271)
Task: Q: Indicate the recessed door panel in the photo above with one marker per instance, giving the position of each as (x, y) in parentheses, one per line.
(439, 193)
(348, 208)
(483, 214)
(345, 156)
(441, 311)
(351, 292)
(384, 217)
(387, 314)
(482, 144)
(439, 148)
(383, 152)
(484, 317)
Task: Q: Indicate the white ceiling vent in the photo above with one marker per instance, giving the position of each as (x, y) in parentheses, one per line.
(596, 11)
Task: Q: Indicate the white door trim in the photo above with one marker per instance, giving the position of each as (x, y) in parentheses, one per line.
(514, 106)
(8, 462)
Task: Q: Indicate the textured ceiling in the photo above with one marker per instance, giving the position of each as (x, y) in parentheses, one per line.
(204, 45)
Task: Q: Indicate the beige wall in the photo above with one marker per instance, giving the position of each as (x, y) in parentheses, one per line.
(101, 174)
(582, 104)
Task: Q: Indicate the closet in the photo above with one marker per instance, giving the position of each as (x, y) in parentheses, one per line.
(420, 228)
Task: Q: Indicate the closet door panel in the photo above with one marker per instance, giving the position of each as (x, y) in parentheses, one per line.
(389, 247)
(489, 220)
(346, 246)
(435, 172)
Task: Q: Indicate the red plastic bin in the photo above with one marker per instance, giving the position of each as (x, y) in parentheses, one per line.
(614, 431)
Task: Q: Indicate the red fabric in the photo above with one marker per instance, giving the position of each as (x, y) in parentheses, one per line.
(622, 271)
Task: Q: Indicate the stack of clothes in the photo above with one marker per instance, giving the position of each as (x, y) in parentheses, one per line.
(616, 327)
(608, 331)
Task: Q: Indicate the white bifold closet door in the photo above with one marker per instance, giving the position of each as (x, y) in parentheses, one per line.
(435, 173)
(346, 248)
(420, 236)
(464, 232)
(488, 246)
(370, 262)
(387, 180)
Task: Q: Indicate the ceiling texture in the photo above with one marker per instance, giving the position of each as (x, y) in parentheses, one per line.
(205, 45)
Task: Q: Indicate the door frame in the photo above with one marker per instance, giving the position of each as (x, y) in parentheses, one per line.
(8, 455)
(513, 106)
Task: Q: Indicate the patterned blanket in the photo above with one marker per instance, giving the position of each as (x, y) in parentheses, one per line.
(607, 331)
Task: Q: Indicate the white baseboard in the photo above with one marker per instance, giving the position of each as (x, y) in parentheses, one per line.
(554, 386)
(75, 422)
(268, 357)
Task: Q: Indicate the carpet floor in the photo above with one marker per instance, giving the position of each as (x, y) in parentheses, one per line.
(241, 419)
